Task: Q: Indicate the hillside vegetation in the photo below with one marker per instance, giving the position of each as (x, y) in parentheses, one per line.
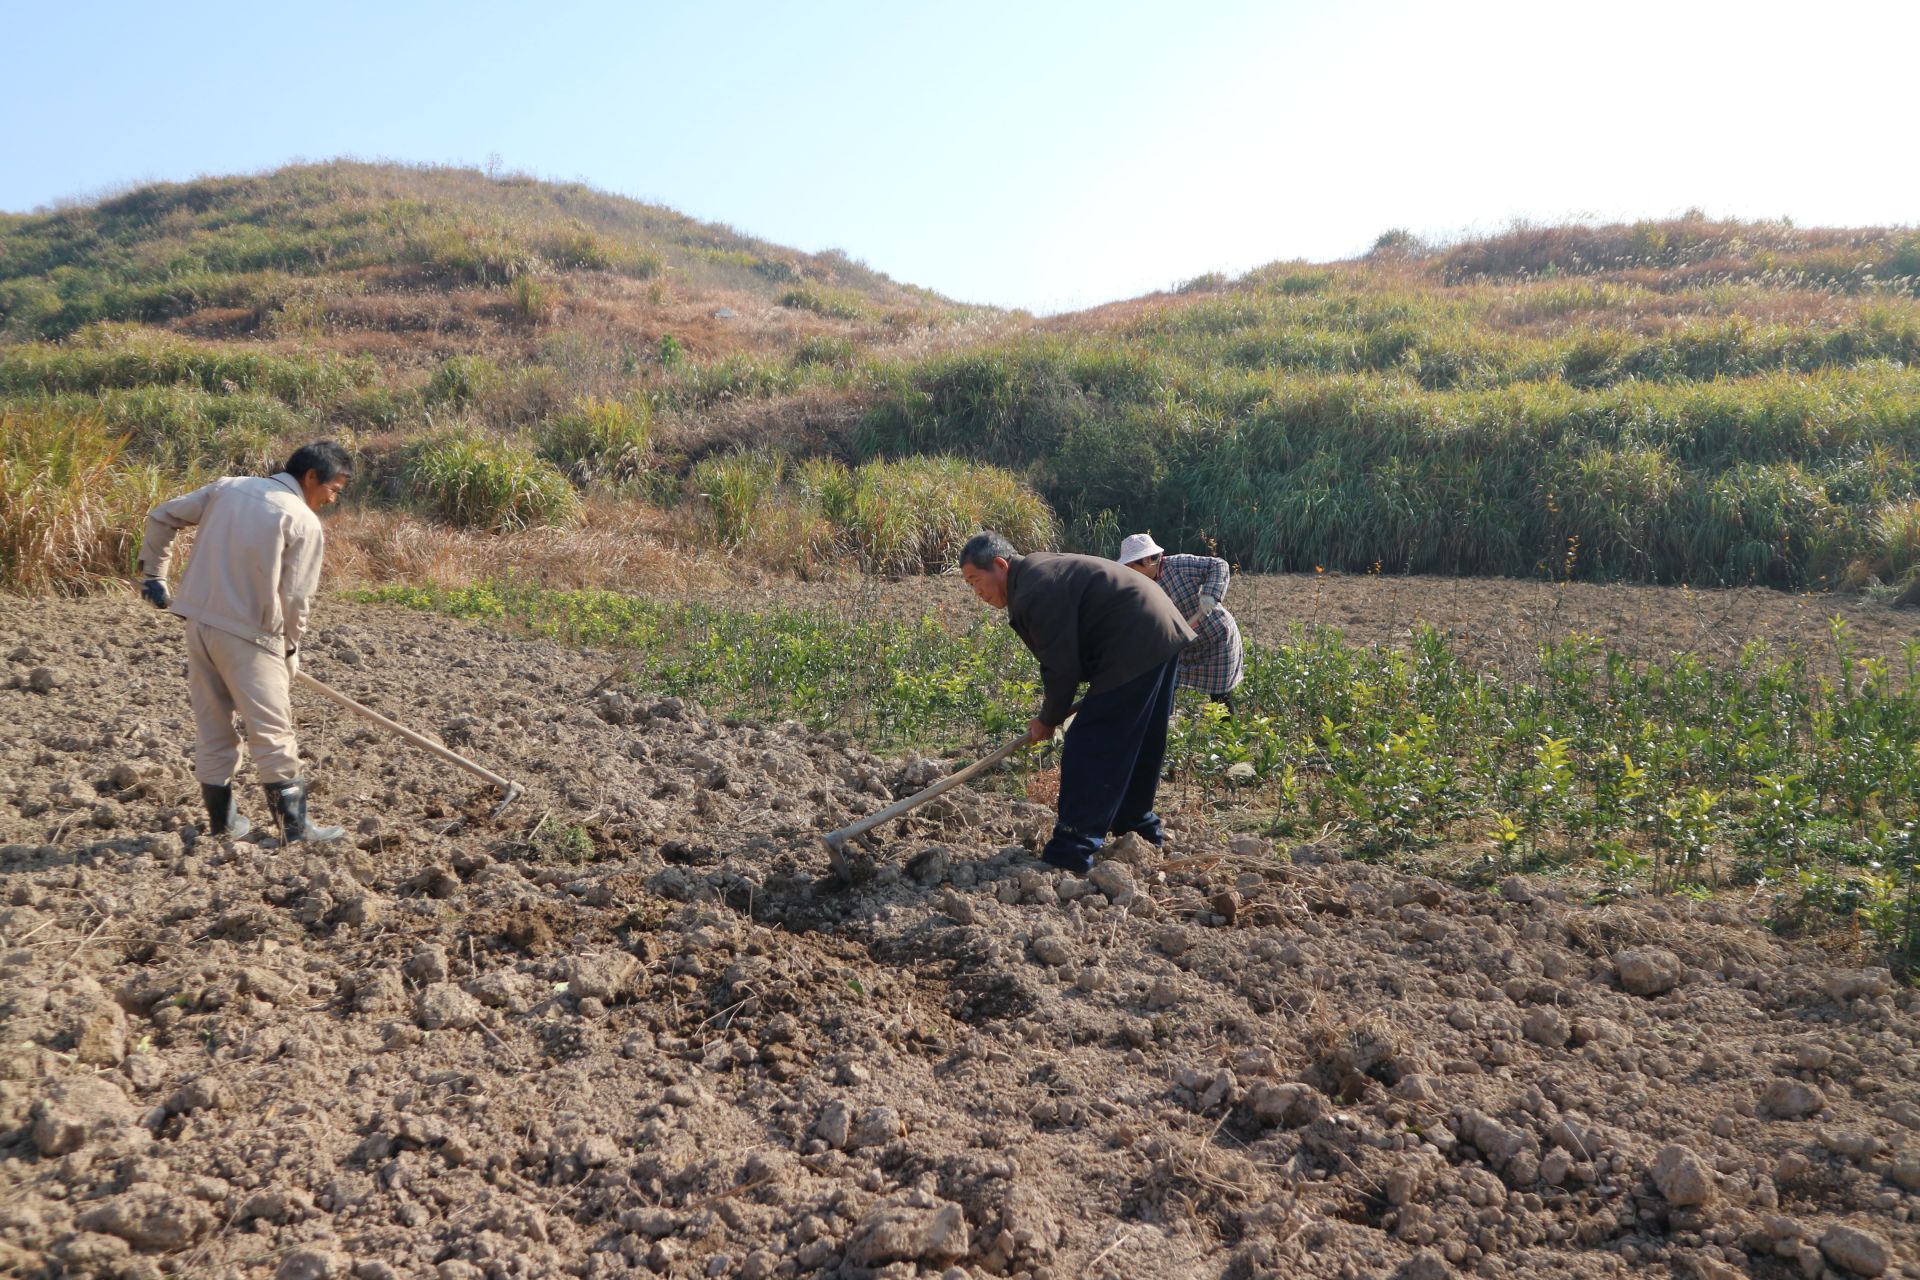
(1683, 401)
(259, 244)
(1727, 405)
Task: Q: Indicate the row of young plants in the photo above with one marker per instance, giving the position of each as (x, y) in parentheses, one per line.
(1672, 775)
(894, 683)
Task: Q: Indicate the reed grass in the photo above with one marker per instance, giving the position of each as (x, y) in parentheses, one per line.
(477, 482)
(71, 503)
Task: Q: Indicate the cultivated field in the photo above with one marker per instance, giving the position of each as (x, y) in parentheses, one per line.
(1556, 921)
(629, 1027)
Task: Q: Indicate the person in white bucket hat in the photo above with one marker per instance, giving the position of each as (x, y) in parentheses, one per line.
(1215, 662)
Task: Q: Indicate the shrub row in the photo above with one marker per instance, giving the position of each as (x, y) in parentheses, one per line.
(1783, 480)
(108, 358)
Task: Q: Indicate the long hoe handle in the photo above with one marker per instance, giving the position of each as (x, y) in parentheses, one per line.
(510, 789)
(836, 840)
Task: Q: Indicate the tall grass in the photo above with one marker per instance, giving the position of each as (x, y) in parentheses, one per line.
(1770, 478)
(71, 506)
(595, 439)
(187, 431)
(837, 304)
(473, 481)
(909, 515)
(1896, 541)
(1677, 401)
(114, 358)
(913, 515)
(169, 250)
(737, 488)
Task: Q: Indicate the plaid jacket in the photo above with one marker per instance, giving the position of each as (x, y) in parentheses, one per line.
(1213, 663)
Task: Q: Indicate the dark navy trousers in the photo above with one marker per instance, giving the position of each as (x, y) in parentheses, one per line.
(1110, 767)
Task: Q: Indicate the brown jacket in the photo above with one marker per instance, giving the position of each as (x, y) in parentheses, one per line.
(256, 562)
(1089, 620)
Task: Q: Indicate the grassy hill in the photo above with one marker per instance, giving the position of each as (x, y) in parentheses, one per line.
(246, 249)
(1688, 400)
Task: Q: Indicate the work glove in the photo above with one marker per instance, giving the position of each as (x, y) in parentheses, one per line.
(1207, 605)
(154, 592)
(293, 661)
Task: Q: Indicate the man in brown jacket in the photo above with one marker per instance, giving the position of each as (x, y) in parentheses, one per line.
(1090, 621)
(247, 592)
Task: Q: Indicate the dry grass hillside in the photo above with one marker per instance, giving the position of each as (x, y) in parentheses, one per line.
(1683, 401)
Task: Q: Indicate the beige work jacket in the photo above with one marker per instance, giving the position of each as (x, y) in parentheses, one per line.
(255, 565)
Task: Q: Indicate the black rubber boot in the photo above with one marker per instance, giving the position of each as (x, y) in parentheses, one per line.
(289, 801)
(223, 819)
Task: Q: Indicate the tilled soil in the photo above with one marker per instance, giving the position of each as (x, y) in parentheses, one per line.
(630, 1026)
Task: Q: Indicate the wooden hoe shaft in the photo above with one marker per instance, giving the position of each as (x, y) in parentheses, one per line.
(836, 841)
(510, 789)
(918, 798)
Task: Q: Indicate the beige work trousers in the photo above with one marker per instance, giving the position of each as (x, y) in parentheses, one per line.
(228, 675)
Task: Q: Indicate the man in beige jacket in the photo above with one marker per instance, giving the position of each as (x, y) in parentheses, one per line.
(248, 589)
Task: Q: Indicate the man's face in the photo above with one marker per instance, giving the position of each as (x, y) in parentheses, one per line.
(322, 493)
(1149, 565)
(989, 584)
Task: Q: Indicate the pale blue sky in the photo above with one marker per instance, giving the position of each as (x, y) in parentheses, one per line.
(1047, 155)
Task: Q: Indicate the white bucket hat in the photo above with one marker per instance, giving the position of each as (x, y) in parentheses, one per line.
(1138, 546)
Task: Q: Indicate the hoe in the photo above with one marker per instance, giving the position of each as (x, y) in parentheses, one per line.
(836, 841)
(511, 790)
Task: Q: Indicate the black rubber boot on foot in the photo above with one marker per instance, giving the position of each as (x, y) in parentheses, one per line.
(289, 801)
(223, 819)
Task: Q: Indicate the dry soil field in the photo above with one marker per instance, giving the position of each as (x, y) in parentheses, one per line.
(629, 1027)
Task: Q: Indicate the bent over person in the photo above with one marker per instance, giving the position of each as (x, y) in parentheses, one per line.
(248, 589)
(1214, 663)
(1089, 621)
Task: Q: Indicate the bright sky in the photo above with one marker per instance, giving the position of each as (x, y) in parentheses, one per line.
(1047, 154)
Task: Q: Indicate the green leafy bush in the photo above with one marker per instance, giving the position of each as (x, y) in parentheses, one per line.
(1796, 786)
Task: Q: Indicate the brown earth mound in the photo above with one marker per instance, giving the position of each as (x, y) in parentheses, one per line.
(630, 1028)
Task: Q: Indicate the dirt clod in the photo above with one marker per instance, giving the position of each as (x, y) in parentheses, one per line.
(918, 1229)
(1683, 1177)
(1786, 1099)
(1860, 1252)
(1648, 971)
(76, 1109)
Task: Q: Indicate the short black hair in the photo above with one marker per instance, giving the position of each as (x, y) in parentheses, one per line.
(323, 457)
(982, 549)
